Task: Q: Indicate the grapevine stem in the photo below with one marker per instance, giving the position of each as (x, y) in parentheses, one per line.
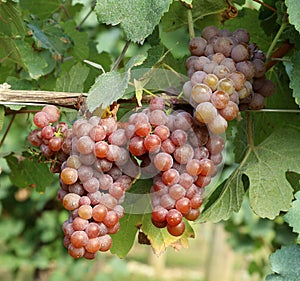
(266, 5)
(7, 129)
(190, 23)
(66, 11)
(274, 42)
(121, 56)
(78, 27)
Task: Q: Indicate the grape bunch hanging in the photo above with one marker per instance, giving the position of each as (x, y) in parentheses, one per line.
(227, 74)
(98, 159)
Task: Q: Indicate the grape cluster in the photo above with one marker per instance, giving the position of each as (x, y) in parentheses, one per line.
(227, 74)
(93, 185)
(180, 155)
(97, 159)
(50, 136)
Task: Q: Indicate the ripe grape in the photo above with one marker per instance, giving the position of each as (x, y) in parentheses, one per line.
(229, 112)
(218, 125)
(69, 175)
(240, 52)
(176, 230)
(197, 46)
(163, 161)
(201, 93)
(41, 119)
(209, 32)
(206, 112)
(219, 99)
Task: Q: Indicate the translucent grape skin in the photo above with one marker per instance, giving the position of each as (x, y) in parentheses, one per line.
(229, 112)
(218, 125)
(52, 112)
(206, 112)
(219, 99)
(163, 161)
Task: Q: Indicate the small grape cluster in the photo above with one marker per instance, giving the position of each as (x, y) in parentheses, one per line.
(49, 136)
(180, 155)
(227, 74)
(93, 185)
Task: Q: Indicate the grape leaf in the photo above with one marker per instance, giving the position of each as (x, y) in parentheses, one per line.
(43, 9)
(80, 48)
(11, 20)
(294, 13)
(73, 81)
(19, 84)
(160, 239)
(226, 199)
(32, 61)
(48, 34)
(295, 72)
(27, 173)
(265, 166)
(108, 88)
(111, 86)
(285, 264)
(294, 180)
(176, 41)
(292, 217)
(138, 18)
(269, 190)
(123, 240)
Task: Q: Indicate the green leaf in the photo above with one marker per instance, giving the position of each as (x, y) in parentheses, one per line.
(80, 47)
(138, 18)
(265, 166)
(11, 21)
(123, 240)
(43, 9)
(108, 87)
(269, 191)
(19, 84)
(285, 264)
(294, 180)
(73, 81)
(295, 72)
(294, 13)
(226, 199)
(292, 217)
(176, 41)
(29, 172)
(48, 34)
(111, 86)
(33, 62)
